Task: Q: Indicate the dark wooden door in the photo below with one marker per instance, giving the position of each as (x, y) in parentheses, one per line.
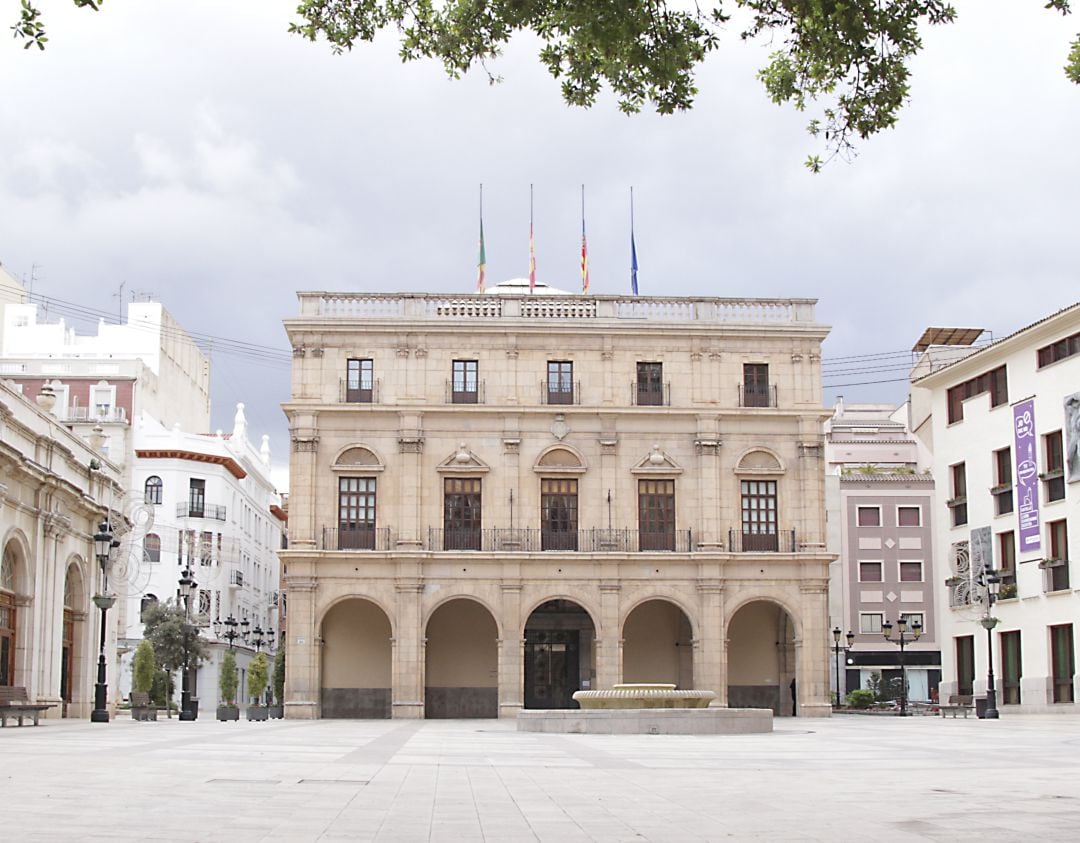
(552, 672)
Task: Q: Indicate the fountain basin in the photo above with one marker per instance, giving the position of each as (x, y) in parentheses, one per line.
(643, 695)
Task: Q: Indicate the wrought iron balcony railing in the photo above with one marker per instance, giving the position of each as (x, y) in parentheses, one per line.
(782, 541)
(193, 509)
(757, 396)
(536, 540)
(356, 538)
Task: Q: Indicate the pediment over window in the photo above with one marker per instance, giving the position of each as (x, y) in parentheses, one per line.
(463, 461)
(560, 459)
(759, 461)
(358, 457)
(657, 461)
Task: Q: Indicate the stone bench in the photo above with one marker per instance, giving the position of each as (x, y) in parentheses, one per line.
(14, 703)
(957, 703)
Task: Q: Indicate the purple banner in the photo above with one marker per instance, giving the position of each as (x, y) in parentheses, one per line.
(1027, 474)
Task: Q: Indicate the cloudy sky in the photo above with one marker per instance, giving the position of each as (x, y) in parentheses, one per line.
(194, 151)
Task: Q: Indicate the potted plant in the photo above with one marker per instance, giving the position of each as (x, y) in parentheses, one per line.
(277, 710)
(257, 675)
(142, 682)
(227, 708)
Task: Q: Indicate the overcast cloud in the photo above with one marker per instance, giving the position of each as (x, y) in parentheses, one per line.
(196, 151)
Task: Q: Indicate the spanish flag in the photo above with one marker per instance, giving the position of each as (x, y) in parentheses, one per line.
(481, 261)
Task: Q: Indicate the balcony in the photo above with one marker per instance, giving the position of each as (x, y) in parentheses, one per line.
(780, 542)
(565, 394)
(193, 509)
(104, 415)
(757, 396)
(641, 396)
(236, 578)
(356, 538)
(358, 395)
(537, 540)
(465, 393)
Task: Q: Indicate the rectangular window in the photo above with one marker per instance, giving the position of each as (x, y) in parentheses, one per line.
(958, 502)
(995, 382)
(965, 664)
(1011, 667)
(1054, 477)
(870, 571)
(359, 382)
(759, 523)
(1063, 661)
(1065, 347)
(560, 382)
(656, 515)
(755, 390)
(869, 516)
(461, 513)
(870, 623)
(465, 386)
(909, 516)
(1007, 563)
(1003, 489)
(1057, 565)
(196, 498)
(912, 618)
(911, 572)
(356, 513)
(650, 384)
(206, 549)
(558, 514)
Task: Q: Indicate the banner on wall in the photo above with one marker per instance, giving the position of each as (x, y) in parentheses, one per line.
(1026, 450)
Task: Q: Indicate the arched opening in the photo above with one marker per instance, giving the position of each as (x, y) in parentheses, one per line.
(356, 661)
(461, 676)
(658, 645)
(74, 612)
(560, 654)
(761, 658)
(152, 490)
(10, 565)
(152, 548)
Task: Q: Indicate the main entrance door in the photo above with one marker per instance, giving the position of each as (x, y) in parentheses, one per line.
(552, 671)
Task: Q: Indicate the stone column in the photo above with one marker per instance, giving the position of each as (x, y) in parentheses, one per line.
(408, 652)
(303, 472)
(511, 652)
(303, 654)
(812, 651)
(709, 650)
(410, 481)
(609, 637)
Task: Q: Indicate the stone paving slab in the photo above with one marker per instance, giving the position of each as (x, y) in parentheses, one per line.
(840, 779)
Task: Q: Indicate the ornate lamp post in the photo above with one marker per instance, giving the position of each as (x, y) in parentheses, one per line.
(989, 580)
(103, 545)
(229, 626)
(187, 588)
(838, 648)
(903, 641)
(257, 639)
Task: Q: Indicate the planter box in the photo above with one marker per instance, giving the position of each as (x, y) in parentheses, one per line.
(277, 712)
(228, 712)
(144, 713)
(257, 712)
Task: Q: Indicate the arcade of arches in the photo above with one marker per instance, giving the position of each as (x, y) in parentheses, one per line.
(473, 666)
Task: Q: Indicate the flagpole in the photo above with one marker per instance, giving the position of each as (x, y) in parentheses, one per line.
(532, 246)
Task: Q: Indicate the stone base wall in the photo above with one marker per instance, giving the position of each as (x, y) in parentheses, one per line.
(755, 696)
(648, 721)
(368, 703)
(453, 703)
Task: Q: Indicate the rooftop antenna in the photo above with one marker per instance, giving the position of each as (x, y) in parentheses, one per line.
(34, 267)
(120, 296)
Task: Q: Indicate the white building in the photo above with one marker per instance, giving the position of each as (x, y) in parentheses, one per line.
(212, 510)
(1003, 424)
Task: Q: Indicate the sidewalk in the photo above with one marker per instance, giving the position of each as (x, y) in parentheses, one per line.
(841, 780)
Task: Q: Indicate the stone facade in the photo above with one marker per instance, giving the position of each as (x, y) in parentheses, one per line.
(499, 499)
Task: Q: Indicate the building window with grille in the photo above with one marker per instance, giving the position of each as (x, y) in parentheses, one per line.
(870, 623)
(1057, 564)
(965, 665)
(871, 572)
(656, 514)
(1003, 485)
(560, 382)
(759, 522)
(147, 601)
(196, 498)
(558, 514)
(958, 503)
(1011, 667)
(755, 388)
(464, 387)
(1007, 566)
(152, 490)
(1054, 476)
(152, 548)
(359, 381)
(1063, 662)
(461, 513)
(356, 513)
(650, 384)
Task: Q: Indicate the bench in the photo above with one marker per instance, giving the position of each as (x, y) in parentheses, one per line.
(15, 703)
(957, 703)
(141, 707)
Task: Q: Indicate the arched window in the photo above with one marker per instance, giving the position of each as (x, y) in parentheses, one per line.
(147, 601)
(153, 490)
(152, 547)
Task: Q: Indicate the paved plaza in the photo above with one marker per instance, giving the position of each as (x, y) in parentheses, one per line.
(845, 779)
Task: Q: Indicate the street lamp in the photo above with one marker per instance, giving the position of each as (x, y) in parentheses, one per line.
(187, 588)
(989, 580)
(103, 545)
(903, 641)
(257, 639)
(838, 649)
(230, 634)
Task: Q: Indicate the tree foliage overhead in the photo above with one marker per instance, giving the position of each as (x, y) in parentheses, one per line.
(849, 58)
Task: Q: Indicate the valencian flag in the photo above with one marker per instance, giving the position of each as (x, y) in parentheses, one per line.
(481, 259)
(532, 245)
(584, 248)
(633, 248)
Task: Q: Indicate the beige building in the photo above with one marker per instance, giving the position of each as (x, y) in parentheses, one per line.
(499, 499)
